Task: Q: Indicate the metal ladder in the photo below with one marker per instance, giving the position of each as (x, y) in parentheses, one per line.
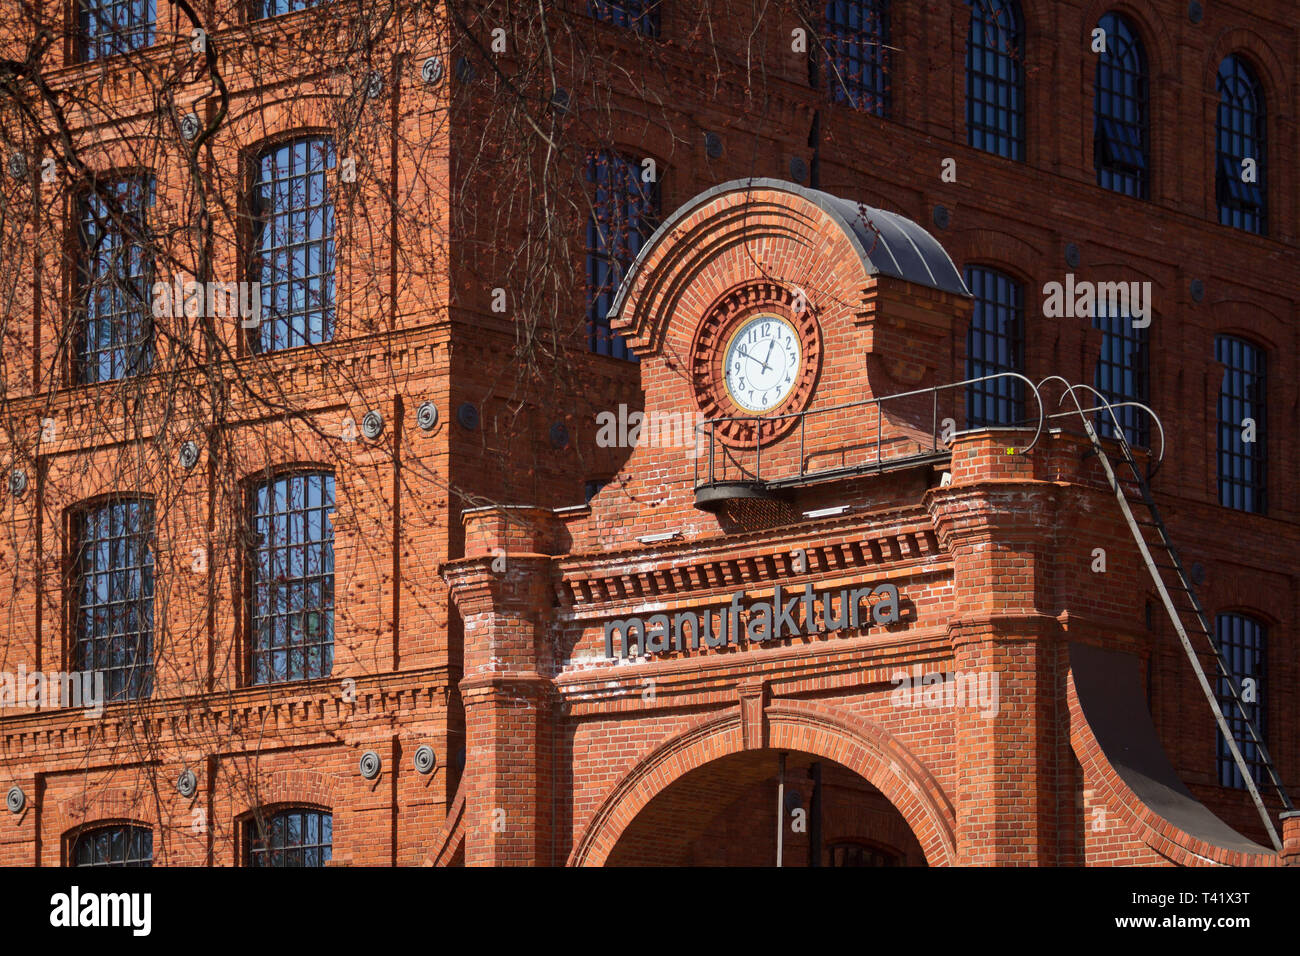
(1188, 617)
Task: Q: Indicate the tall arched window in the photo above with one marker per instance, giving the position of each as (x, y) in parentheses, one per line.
(117, 844)
(109, 27)
(113, 568)
(1240, 146)
(1121, 128)
(294, 836)
(1243, 463)
(293, 243)
(291, 613)
(995, 93)
(1122, 373)
(995, 343)
(855, 48)
(624, 214)
(1243, 642)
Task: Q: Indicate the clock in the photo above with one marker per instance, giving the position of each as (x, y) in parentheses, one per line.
(755, 360)
(761, 362)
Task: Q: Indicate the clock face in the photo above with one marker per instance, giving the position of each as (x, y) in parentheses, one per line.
(762, 363)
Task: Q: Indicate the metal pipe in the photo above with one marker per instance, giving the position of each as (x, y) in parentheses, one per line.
(780, 808)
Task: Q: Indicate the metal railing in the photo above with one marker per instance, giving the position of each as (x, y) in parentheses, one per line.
(775, 424)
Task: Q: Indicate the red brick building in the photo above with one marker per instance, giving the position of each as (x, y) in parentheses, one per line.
(859, 591)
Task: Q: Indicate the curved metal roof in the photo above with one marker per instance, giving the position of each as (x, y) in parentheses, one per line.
(886, 243)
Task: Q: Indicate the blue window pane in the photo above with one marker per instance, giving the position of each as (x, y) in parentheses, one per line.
(1242, 416)
(109, 27)
(1240, 147)
(625, 212)
(995, 97)
(114, 337)
(114, 588)
(1122, 373)
(995, 343)
(290, 838)
(641, 16)
(1243, 643)
(118, 845)
(1121, 137)
(292, 594)
(855, 42)
(293, 244)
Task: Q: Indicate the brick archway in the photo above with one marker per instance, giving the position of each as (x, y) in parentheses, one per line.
(866, 749)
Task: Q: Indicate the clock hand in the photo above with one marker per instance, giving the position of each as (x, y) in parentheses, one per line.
(770, 343)
(766, 367)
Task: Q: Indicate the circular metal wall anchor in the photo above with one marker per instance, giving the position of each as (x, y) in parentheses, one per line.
(370, 765)
(467, 415)
(191, 126)
(374, 85)
(798, 169)
(941, 217)
(1072, 257)
(187, 784)
(1197, 290)
(431, 71)
(424, 759)
(559, 435)
(426, 416)
(712, 145)
(560, 101)
(464, 70)
(15, 799)
(1198, 573)
(17, 482)
(17, 166)
(1195, 12)
(372, 424)
(188, 456)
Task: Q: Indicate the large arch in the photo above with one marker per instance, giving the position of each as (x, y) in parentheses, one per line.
(865, 748)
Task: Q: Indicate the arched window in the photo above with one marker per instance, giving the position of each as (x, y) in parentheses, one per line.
(860, 854)
(1121, 133)
(262, 9)
(117, 844)
(1242, 419)
(294, 836)
(109, 27)
(855, 41)
(995, 93)
(114, 336)
(1243, 642)
(1239, 135)
(293, 243)
(1122, 371)
(995, 343)
(291, 613)
(113, 577)
(624, 214)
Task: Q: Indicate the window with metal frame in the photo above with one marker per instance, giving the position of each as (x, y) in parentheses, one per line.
(1121, 133)
(995, 342)
(1240, 144)
(995, 87)
(855, 53)
(293, 243)
(1243, 642)
(114, 333)
(113, 568)
(640, 16)
(294, 836)
(1122, 373)
(110, 27)
(291, 614)
(265, 9)
(858, 854)
(625, 212)
(1242, 444)
(117, 844)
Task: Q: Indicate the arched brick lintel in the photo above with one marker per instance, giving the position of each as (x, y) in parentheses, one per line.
(865, 748)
